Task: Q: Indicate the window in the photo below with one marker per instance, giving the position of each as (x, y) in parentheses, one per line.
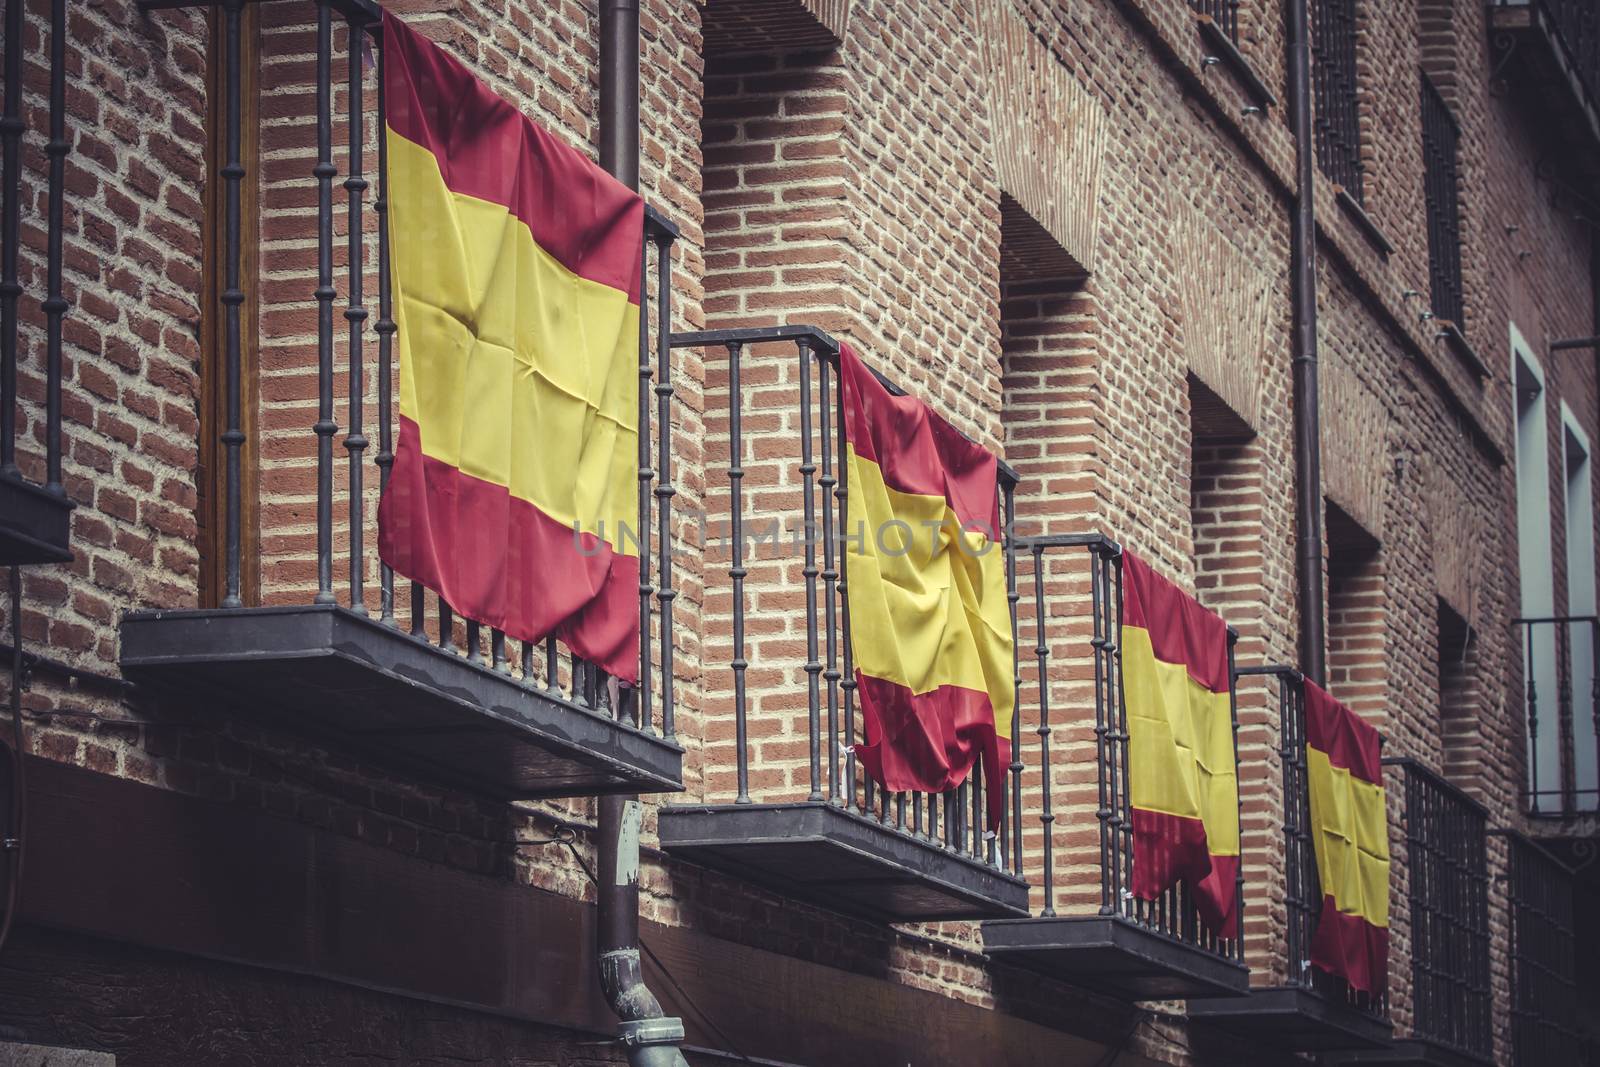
(1580, 603)
(1537, 578)
(1439, 139)
(1338, 128)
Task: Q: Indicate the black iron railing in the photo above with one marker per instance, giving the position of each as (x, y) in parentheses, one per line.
(957, 819)
(13, 126)
(1302, 885)
(1054, 561)
(1447, 864)
(1439, 146)
(1225, 13)
(1544, 995)
(1561, 680)
(1575, 24)
(1337, 119)
(546, 667)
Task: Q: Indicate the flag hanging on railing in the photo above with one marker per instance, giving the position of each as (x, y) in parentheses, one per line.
(930, 625)
(1350, 837)
(1183, 771)
(516, 273)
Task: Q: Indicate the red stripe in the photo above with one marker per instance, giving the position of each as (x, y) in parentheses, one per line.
(1168, 849)
(498, 559)
(1352, 948)
(1343, 736)
(928, 742)
(1181, 631)
(917, 451)
(486, 148)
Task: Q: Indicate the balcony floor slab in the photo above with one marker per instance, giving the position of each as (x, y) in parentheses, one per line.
(1294, 1019)
(333, 674)
(839, 859)
(1109, 954)
(34, 524)
(1409, 1052)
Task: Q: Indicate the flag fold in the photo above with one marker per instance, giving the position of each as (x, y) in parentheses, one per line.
(1350, 838)
(1182, 764)
(515, 272)
(930, 624)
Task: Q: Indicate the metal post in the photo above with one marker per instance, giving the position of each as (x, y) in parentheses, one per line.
(355, 313)
(737, 571)
(830, 580)
(325, 427)
(11, 127)
(665, 594)
(385, 328)
(1041, 652)
(646, 478)
(1012, 597)
(813, 667)
(233, 300)
(55, 305)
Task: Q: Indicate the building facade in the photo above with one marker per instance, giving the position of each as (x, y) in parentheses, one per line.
(278, 805)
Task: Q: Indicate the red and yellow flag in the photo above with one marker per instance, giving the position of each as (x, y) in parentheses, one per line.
(1183, 771)
(515, 267)
(1350, 835)
(930, 624)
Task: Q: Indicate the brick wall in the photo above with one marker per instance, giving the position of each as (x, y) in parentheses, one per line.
(855, 177)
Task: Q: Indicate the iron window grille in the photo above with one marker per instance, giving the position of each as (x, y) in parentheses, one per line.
(1440, 141)
(1337, 120)
(1544, 994)
(1447, 865)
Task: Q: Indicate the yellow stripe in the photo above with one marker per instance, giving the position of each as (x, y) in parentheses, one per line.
(1180, 744)
(515, 370)
(1350, 833)
(925, 613)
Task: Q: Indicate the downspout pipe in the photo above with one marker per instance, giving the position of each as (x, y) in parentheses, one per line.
(1303, 297)
(649, 1035)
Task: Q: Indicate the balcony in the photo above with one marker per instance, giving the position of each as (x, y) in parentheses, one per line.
(1544, 993)
(391, 673)
(1447, 873)
(1311, 1011)
(1094, 932)
(1549, 52)
(1562, 705)
(790, 808)
(35, 513)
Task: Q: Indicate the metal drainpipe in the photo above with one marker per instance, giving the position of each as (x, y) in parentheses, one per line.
(1307, 418)
(650, 1036)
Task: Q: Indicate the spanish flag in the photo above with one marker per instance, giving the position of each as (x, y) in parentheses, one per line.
(1183, 772)
(930, 624)
(1350, 836)
(515, 267)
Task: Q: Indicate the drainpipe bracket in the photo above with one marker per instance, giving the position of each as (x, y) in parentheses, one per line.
(642, 1033)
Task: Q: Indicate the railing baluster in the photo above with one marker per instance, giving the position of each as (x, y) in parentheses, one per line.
(1533, 722)
(847, 683)
(325, 427)
(813, 666)
(1012, 597)
(232, 300)
(646, 478)
(447, 627)
(1121, 797)
(737, 570)
(1041, 652)
(552, 677)
(830, 581)
(1233, 710)
(385, 328)
(1109, 861)
(11, 127)
(55, 305)
(665, 593)
(355, 313)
